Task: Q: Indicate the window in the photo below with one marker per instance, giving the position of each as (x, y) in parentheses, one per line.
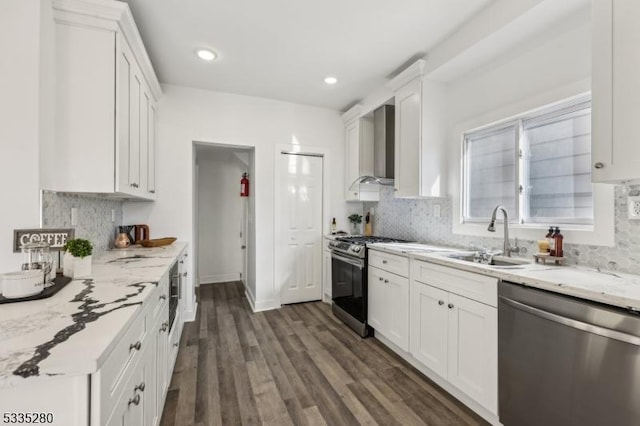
(537, 165)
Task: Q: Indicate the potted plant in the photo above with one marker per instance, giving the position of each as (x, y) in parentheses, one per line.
(355, 220)
(77, 258)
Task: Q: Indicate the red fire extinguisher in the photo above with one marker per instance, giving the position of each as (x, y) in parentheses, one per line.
(244, 185)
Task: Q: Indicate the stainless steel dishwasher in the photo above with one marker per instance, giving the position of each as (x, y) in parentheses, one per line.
(565, 361)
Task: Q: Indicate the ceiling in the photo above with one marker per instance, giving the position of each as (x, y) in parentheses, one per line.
(283, 49)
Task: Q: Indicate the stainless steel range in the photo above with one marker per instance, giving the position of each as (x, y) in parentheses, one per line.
(349, 287)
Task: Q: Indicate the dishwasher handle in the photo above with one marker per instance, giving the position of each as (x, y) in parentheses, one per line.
(579, 325)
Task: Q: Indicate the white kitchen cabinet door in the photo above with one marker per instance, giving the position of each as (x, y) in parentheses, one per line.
(377, 301)
(408, 130)
(135, 130)
(162, 373)
(615, 87)
(145, 104)
(397, 309)
(359, 160)
(152, 410)
(473, 350)
(151, 152)
(429, 327)
(125, 66)
(326, 273)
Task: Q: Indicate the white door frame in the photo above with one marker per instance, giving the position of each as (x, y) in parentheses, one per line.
(326, 204)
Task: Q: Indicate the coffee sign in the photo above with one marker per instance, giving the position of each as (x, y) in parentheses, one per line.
(56, 238)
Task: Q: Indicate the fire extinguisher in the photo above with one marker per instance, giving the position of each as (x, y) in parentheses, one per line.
(244, 185)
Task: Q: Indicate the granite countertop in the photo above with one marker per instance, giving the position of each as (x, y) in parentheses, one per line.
(612, 288)
(74, 331)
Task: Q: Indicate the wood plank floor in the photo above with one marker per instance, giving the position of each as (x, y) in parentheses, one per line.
(298, 365)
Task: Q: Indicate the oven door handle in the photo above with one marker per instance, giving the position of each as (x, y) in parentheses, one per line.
(359, 265)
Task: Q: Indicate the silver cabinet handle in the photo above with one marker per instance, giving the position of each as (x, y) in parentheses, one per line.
(164, 327)
(379, 278)
(153, 191)
(182, 261)
(186, 254)
(386, 281)
(579, 325)
(135, 400)
(176, 344)
(450, 305)
(163, 297)
(599, 165)
(440, 302)
(184, 274)
(140, 387)
(137, 345)
(384, 262)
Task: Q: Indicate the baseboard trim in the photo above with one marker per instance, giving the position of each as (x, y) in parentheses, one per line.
(220, 278)
(260, 305)
(190, 316)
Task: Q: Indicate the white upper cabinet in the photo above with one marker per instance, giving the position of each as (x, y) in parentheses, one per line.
(419, 137)
(358, 156)
(615, 88)
(105, 100)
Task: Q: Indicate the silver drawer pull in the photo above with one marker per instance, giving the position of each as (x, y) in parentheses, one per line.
(450, 305)
(153, 191)
(164, 327)
(384, 262)
(440, 302)
(135, 400)
(184, 274)
(599, 165)
(386, 281)
(137, 345)
(380, 279)
(163, 297)
(176, 344)
(140, 387)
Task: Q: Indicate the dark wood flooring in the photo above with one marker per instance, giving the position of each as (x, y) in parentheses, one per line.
(298, 365)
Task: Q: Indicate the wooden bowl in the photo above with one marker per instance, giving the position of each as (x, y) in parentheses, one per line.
(157, 242)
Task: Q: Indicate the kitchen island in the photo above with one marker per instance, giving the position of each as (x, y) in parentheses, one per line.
(67, 355)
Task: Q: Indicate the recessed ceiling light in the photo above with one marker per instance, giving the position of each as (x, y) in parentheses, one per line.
(206, 54)
(331, 80)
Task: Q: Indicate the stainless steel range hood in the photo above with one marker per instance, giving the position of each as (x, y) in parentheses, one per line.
(383, 147)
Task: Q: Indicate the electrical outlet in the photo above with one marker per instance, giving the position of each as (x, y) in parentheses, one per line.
(634, 207)
(436, 210)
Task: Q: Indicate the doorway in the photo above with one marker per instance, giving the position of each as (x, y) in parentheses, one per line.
(299, 213)
(223, 218)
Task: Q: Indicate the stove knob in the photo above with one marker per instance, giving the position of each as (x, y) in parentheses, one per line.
(357, 249)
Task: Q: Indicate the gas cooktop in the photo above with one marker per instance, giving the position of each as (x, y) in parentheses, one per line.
(355, 245)
(362, 240)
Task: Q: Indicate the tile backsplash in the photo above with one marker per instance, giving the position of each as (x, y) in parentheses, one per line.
(413, 219)
(94, 216)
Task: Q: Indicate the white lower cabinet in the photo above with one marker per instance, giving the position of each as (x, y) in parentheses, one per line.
(388, 303)
(456, 337)
(326, 274)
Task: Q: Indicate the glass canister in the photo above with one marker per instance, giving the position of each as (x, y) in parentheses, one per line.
(37, 256)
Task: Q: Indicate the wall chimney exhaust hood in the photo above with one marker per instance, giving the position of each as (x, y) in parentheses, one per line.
(383, 148)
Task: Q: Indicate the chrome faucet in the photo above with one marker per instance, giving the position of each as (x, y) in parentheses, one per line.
(507, 249)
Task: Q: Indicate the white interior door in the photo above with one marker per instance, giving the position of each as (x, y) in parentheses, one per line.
(300, 251)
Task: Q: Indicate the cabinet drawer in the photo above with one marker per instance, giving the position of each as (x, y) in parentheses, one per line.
(473, 286)
(111, 379)
(389, 262)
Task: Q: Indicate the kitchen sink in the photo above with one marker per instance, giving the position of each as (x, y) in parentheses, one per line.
(502, 262)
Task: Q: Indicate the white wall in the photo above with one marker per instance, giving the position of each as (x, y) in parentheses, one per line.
(220, 216)
(186, 115)
(26, 87)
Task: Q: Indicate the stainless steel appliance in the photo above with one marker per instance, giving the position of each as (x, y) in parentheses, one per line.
(349, 279)
(174, 293)
(566, 361)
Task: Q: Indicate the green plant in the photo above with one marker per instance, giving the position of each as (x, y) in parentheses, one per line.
(79, 247)
(355, 218)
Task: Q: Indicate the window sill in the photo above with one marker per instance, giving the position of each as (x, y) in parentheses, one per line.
(601, 233)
